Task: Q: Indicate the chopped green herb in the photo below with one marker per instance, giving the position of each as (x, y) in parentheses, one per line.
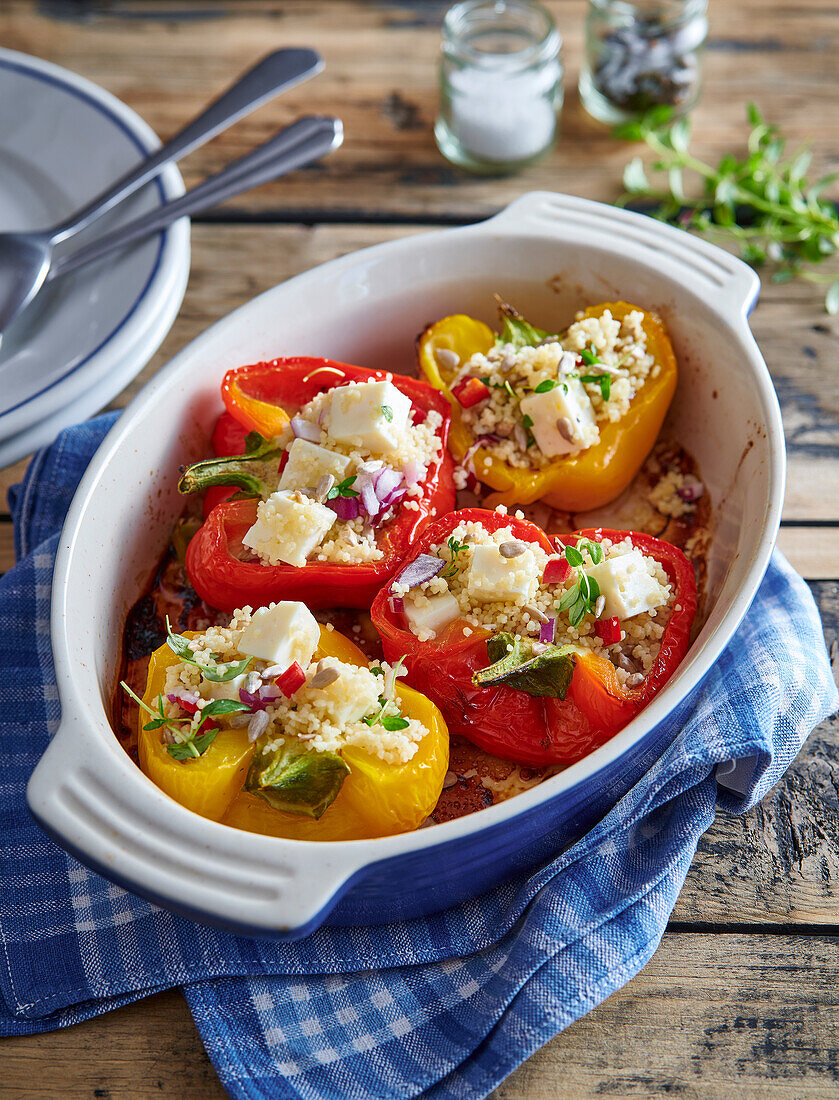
(393, 722)
(508, 387)
(593, 549)
(515, 662)
(387, 412)
(604, 381)
(455, 547)
(546, 386)
(195, 747)
(580, 599)
(343, 489)
(527, 421)
(573, 556)
(377, 671)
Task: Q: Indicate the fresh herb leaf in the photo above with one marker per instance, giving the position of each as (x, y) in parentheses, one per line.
(213, 671)
(546, 386)
(515, 663)
(593, 549)
(515, 330)
(573, 556)
(197, 746)
(343, 488)
(377, 671)
(604, 381)
(580, 598)
(589, 356)
(527, 421)
(510, 390)
(761, 200)
(393, 722)
(223, 706)
(455, 547)
(387, 412)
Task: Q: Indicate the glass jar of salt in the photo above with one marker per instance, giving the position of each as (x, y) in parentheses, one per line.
(500, 85)
(642, 55)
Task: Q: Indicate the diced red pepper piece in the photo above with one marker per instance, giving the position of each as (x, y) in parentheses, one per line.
(557, 571)
(608, 630)
(470, 391)
(187, 705)
(293, 678)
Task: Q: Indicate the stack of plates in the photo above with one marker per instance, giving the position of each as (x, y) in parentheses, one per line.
(62, 141)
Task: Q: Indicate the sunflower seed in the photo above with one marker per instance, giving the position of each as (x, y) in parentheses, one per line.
(253, 682)
(626, 663)
(599, 604)
(511, 549)
(447, 358)
(258, 724)
(449, 780)
(323, 487)
(324, 677)
(565, 429)
(535, 613)
(520, 436)
(635, 679)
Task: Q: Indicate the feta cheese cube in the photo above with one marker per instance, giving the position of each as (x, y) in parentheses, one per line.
(627, 586)
(308, 462)
(438, 612)
(288, 528)
(493, 578)
(574, 412)
(281, 633)
(371, 415)
(349, 698)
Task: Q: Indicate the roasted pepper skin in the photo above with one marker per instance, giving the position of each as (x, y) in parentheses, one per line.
(376, 799)
(511, 724)
(571, 483)
(213, 563)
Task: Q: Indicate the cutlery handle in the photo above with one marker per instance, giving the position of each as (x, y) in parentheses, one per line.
(270, 76)
(304, 141)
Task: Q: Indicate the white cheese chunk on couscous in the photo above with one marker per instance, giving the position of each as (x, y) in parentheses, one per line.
(308, 462)
(225, 689)
(562, 419)
(288, 528)
(427, 615)
(281, 633)
(370, 415)
(627, 585)
(493, 578)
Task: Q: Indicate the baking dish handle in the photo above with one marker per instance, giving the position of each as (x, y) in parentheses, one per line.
(708, 270)
(93, 800)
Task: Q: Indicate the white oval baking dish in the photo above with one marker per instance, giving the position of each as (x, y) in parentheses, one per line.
(547, 253)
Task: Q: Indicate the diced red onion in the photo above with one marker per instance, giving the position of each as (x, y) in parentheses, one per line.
(691, 491)
(369, 500)
(268, 692)
(304, 430)
(397, 604)
(345, 508)
(413, 473)
(547, 631)
(419, 570)
(253, 700)
(386, 483)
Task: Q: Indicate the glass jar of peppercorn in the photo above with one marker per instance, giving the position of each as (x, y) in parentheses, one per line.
(642, 55)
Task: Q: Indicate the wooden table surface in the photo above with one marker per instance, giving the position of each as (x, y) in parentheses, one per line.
(743, 992)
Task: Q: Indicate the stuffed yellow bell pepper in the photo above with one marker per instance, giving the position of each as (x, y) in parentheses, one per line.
(572, 482)
(226, 780)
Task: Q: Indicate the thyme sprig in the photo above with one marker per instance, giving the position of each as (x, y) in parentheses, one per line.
(763, 201)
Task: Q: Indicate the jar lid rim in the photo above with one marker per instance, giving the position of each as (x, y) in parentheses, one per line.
(455, 20)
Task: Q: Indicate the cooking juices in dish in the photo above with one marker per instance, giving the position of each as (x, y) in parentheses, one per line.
(567, 419)
(276, 724)
(342, 468)
(333, 490)
(537, 650)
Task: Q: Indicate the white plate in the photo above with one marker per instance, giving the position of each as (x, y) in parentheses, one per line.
(89, 334)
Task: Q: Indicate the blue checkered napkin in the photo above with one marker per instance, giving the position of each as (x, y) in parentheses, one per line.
(446, 1005)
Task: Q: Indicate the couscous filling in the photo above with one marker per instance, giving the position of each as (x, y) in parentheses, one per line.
(355, 455)
(605, 596)
(526, 406)
(287, 697)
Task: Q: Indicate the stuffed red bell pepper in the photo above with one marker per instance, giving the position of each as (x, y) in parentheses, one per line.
(341, 467)
(537, 649)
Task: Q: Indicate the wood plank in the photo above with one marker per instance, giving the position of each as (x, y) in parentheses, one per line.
(706, 1011)
(813, 551)
(381, 78)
